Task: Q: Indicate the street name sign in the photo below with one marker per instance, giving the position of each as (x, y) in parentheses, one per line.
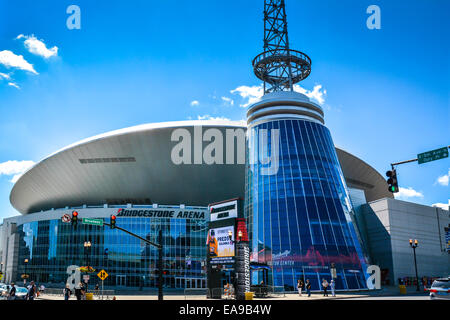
(102, 275)
(94, 222)
(433, 155)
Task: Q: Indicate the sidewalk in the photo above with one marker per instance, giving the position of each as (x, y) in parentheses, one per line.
(386, 291)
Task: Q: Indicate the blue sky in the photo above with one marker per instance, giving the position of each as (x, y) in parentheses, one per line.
(385, 92)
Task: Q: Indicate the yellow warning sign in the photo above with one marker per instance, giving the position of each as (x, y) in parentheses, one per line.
(102, 275)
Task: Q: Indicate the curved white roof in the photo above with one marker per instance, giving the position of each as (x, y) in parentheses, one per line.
(133, 165)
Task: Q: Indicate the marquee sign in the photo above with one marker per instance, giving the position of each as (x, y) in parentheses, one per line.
(225, 210)
(163, 213)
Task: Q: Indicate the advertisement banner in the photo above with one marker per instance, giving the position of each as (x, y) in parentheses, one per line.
(220, 245)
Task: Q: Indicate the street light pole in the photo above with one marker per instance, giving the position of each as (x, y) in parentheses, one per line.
(160, 266)
(414, 244)
(25, 279)
(87, 249)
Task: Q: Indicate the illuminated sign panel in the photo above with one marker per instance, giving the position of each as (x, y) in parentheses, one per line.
(221, 248)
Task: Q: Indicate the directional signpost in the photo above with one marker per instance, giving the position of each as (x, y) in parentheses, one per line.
(422, 158)
(433, 155)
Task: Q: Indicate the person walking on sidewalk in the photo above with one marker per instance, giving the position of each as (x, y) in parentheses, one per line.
(12, 292)
(332, 287)
(31, 291)
(325, 287)
(78, 291)
(308, 287)
(300, 287)
(67, 292)
(83, 291)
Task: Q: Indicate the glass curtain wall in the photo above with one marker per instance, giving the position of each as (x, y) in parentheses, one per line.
(299, 218)
(52, 246)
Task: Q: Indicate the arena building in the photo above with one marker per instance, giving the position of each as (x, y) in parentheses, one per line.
(131, 173)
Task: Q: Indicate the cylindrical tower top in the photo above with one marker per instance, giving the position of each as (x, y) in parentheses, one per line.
(284, 105)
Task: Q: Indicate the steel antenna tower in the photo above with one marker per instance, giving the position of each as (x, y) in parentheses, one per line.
(279, 66)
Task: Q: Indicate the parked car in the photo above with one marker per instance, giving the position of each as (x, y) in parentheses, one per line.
(4, 289)
(21, 293)
(440, 289)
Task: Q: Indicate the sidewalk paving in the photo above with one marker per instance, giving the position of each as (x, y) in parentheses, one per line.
(386, 291)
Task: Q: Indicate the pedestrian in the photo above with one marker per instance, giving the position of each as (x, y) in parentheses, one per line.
(325, 287)
(31, 291)
(308, 287)
(67, 292)
(83, 291)
(332, 287)
(78, 291)
(42, 288)
(97, 289)
(12, 292)
(300, 287)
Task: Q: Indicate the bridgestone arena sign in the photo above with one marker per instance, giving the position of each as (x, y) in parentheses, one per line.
(169, 213)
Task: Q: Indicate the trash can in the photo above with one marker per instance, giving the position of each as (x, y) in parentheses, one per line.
(89, 296)
(249, 295)
(402, 289)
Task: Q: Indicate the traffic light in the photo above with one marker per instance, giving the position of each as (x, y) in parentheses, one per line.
(113, 222)
(392, 181)
(74, 218)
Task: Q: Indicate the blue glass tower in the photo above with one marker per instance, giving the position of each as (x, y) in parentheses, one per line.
(297, 206)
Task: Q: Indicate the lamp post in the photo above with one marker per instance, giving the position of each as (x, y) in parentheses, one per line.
(87, 248)
(414, 244)
(25, 278)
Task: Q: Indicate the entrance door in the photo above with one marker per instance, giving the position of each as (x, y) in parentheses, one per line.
(121, 281)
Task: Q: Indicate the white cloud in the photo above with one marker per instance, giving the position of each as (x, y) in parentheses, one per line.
(254, 93)
(195, 103)
(38, 47)
(12, 84)
(228, 101)
(316, 94)
(208, 117)
(444, 180)
(408, 193)
(444, 206)
(5, 76)
(16, 168)
(11, 60)
(250, 94)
